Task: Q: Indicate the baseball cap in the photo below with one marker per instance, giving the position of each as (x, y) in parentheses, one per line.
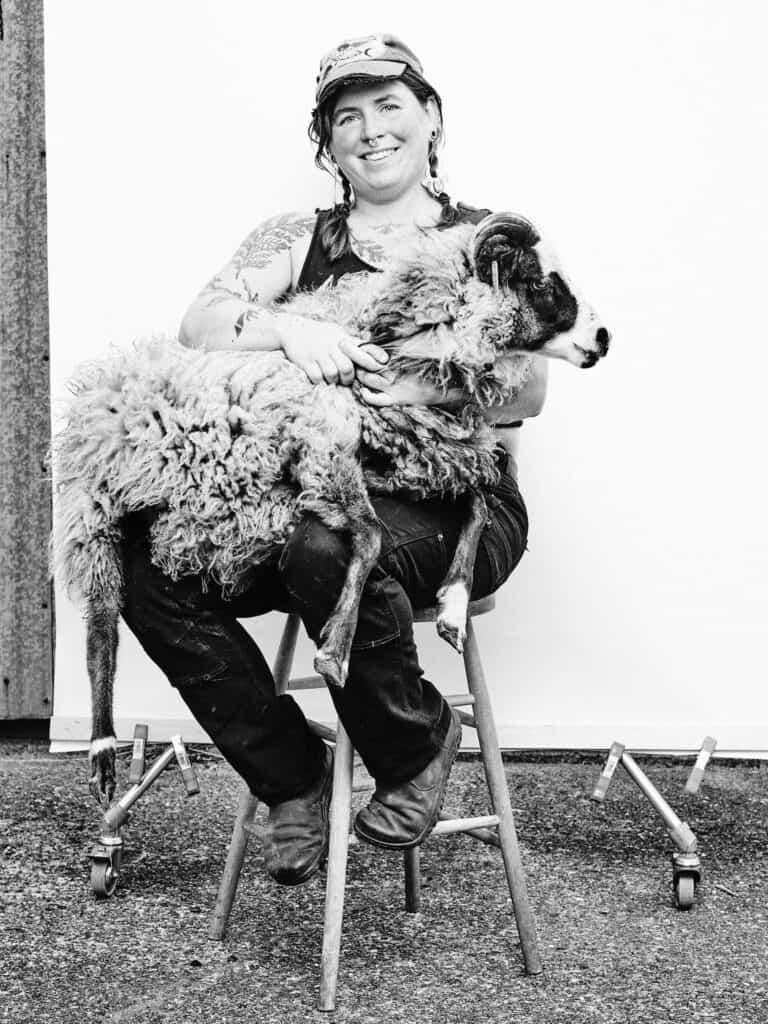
(378, 56)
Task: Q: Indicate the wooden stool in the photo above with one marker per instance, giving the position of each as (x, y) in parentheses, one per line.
(497, 829)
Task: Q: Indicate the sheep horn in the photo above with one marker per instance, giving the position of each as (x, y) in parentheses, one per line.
(516, 229)
(497, 231)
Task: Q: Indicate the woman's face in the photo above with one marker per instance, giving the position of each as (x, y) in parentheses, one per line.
(380, 136)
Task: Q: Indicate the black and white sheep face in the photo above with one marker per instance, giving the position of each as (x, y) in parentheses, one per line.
(551, 317)
(577, 333)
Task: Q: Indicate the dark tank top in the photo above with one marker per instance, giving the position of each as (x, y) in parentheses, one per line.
(318, 268)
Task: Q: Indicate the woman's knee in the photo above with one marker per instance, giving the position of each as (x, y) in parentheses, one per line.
(315, 560)
(153, 603)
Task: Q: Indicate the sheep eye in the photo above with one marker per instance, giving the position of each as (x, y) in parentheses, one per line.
(538, 285)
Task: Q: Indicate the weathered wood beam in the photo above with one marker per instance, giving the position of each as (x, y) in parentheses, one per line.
(26, 613)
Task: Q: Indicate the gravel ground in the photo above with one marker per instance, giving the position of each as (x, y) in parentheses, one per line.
(614, 947)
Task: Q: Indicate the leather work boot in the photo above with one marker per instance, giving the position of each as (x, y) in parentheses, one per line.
(296, 835)
(399, 817)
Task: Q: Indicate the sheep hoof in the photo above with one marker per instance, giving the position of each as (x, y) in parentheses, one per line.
(451, 619)
(101, 758)
(455, 635)
(332, 668)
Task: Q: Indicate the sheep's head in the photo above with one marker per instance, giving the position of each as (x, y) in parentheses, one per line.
(549, 317)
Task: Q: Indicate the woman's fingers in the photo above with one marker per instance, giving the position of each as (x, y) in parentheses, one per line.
(379, 354)
(368, 357)
(337, 369)
(375, 397)
(329, 368)
(377, 381)
(327, 357)
(346, 368)
(314, 372)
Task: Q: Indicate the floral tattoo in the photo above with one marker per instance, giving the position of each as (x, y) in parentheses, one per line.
(255, 253)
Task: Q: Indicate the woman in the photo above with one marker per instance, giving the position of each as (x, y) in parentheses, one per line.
(378, 122)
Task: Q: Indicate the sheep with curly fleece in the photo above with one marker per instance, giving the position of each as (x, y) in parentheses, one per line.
(233, 448)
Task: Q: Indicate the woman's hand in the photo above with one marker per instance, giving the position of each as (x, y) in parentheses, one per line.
(387, 388)
(326, 352)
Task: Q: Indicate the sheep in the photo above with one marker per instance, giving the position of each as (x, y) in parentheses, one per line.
(233, 448)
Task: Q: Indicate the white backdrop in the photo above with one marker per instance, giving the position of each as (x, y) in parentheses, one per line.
(632, 136)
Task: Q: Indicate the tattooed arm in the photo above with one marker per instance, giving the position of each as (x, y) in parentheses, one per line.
(227, 311)
(230, 312)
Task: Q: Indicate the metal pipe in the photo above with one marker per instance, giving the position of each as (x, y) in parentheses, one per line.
(680, 832)
(116, 815)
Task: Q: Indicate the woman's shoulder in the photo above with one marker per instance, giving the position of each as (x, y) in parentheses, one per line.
(283, 230)
(281, 241)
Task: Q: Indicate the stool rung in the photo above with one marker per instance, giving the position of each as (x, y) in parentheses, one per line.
(456, 700)
(448, 825)
(323, 731)
(478, 828)
(485, 835)
(306, 683)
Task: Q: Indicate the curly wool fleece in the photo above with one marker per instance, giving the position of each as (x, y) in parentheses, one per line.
(232, 447)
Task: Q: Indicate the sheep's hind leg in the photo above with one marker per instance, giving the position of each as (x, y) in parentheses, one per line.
(101, 645)
(453, 595)
(332, 659)
(344, 504)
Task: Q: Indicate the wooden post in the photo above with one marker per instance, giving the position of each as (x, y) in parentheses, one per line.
(26, 684)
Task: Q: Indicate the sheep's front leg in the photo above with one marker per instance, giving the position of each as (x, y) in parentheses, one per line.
(101, 648)
(332, 659)
(453, 595)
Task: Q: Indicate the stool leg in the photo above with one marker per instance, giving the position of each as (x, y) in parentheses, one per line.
(281, 670)
(233, 866)
(412, 863)
(341, 804)
(497, 786)
(246, 810)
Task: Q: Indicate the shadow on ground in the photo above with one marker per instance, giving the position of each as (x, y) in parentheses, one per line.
(614, 947)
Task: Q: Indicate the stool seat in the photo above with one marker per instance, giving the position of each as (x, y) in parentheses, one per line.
(496, 829)
(479, 607)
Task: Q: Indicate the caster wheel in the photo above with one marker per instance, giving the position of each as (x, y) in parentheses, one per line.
(685, 891)
(103, 879)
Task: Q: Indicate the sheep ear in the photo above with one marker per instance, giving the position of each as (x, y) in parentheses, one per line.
(501, 238)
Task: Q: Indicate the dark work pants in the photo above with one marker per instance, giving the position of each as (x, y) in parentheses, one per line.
(395, 718)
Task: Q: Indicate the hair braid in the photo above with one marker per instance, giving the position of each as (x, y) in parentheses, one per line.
(335, 234)
(449, 214)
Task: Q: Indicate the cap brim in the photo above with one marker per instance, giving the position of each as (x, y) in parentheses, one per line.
(369, 68)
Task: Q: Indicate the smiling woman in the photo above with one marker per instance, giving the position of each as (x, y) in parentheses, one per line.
(377, 125)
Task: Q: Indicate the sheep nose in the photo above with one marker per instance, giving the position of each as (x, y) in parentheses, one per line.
(603, 340)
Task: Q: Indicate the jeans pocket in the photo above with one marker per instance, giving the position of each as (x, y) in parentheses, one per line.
(420, 566)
